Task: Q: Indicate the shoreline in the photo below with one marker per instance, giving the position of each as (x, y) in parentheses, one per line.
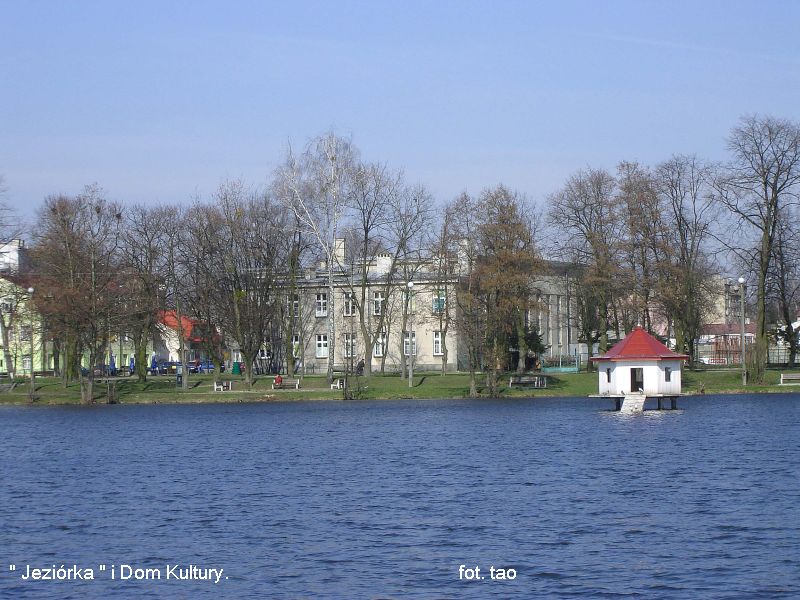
(51, 391)
(247, 397)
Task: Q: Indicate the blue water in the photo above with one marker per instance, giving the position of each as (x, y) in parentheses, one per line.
(388, 499)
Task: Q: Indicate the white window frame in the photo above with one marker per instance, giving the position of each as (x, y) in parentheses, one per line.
(297, 351)
(349, 345)
(380, 345)
(378, 301)
(413, 343)
(437, 344)
(321, 305)
(26, 362)
(349, 303)
(322, 345)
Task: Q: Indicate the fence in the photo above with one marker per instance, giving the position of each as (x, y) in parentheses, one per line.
(564, 363)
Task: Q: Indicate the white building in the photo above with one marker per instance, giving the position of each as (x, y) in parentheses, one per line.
(639, 363)
(14, 257)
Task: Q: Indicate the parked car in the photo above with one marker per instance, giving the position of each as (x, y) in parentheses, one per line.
(164, 367)
(204, 366)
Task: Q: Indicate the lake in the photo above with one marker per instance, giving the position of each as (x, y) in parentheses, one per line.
(404, 499)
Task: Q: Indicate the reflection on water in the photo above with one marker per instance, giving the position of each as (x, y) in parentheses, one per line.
(376, 499)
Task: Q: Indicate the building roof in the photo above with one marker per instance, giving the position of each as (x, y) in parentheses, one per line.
(191, 327)
(639, 344)
(727, 329)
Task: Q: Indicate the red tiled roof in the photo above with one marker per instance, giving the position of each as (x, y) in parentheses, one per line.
(170, 319)
(639, 344)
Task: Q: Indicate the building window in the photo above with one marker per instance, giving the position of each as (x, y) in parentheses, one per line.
(296, 346)
(409, 300)
(349, 304)
(322, 305)
(437, 343)
(378, 299)
(25, 333)
(322, 345)
(380, 345)
(349, 345)
(294, 305)
(26, 363)
(667, 374)
(410, 343)
(608, 375)
(438, 303)
(377, 303)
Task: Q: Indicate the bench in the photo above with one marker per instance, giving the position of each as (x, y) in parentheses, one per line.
(338, 384)
(537, 381)
(223, 386)
(790, 378)
(286, 384)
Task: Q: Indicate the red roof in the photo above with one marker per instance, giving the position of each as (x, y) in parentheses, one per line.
(170, 319)
(639, 344)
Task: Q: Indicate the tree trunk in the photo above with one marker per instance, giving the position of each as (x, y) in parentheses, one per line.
(57, 357)
(603, 347)
(522, 346)
(367, 349)
(140, 356)
(249, 361)
(9, 359)
(759, 356)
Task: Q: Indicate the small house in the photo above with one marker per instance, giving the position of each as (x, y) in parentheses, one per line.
(639, 364)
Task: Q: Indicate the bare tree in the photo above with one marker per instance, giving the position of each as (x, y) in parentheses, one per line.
(760, 181)
(146, 245)
(314, 188)
(587, 214)
(684, 285)
(76, 252)
(506, 265)
(251, 228)
(469, 316)
(444, 266)
(784, 279)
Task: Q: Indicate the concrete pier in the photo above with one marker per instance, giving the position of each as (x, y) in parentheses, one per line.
(632, 404)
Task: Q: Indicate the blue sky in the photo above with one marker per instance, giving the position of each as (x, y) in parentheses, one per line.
(158, 102)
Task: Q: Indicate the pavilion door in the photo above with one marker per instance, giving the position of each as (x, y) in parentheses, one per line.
(637, 379)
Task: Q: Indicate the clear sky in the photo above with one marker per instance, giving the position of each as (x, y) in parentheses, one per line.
(160, 101)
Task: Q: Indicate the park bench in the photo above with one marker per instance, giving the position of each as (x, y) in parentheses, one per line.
(338, 384)
(790, 378)
(223, 386)
(537, 381)
(286, 384)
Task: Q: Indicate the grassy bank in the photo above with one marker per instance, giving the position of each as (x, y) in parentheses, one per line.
(426, 385)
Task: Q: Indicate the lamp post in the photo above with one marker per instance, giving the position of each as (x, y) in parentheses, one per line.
(30, 312)
(410, 336)
(741, 341)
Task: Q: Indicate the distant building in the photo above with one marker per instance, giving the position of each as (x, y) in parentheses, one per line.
(14, 258)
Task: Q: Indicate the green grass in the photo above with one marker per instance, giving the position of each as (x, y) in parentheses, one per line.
(162, 389)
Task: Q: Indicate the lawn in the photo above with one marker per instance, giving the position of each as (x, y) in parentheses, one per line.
(162, 389)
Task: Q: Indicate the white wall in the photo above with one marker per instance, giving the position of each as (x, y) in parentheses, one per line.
(653, 372)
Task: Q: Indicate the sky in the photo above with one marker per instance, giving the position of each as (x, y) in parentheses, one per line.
(159, 102)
